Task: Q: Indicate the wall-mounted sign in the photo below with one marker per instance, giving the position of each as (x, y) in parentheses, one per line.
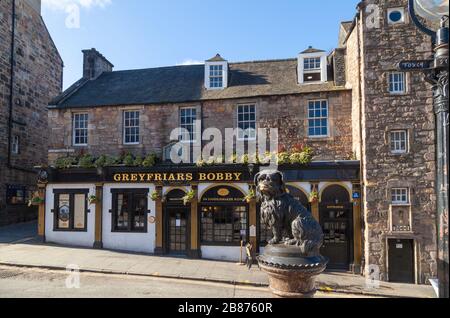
(178, 177)
(223, 194)
(252, 231)
(356, 195)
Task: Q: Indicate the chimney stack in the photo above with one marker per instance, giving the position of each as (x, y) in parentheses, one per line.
(94, 64)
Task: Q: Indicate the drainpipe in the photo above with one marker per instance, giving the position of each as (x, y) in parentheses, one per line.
(359, 18)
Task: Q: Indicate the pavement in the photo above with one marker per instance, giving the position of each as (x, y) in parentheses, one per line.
(28, 253)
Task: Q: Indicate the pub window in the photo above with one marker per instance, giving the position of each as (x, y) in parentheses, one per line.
(15, 145)
(246, 122)
(400, 195)
(397, 83)
(216, 76)
(17, 195)
(318, 118)
(129, 212)
(399, 141)
(70, 212)
(80, 129)
(224, 224)
(131, 133)
(188, 116)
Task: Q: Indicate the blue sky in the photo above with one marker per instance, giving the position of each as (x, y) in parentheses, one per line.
(150, 33)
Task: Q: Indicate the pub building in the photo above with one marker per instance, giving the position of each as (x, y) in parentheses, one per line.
(142, 209)
(370, 183)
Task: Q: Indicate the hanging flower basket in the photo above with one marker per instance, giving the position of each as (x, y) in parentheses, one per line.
(154, 196)
(314, 197)
(189, 197)
(250, 196)
(36, 200)
(92, 199)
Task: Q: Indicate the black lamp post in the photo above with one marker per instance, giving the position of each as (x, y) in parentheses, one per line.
(435, 11)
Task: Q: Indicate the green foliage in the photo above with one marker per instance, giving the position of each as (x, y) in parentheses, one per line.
(154, 195)
(138, 161)
(189, 197)
(250, 196)
(86, 161)
(283, 158)
(65, 162)
(149, 161)
(128, 160)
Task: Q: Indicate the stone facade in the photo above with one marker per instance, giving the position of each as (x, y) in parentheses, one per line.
(288, 113)
(362, 114)
(37, 78)
(373, 52)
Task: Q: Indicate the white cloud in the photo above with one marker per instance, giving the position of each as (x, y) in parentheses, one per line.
(64, 4)
(191, 62)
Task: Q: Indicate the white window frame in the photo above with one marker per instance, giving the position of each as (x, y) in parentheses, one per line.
(323, 67)
(131, 126)
(192, 138)
(315, 68)
(402, 20)
(75, 129)
(319, 118)
(216, 73)
(395, 144)
(208, 76)
(238, 122)
(392, 83)
(397, 195)
(15, 145)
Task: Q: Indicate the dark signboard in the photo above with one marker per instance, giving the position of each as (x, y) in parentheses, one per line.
(415, 65)
(223, 194)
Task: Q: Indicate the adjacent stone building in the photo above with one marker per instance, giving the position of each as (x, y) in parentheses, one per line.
(371, 128)
(393, 129)
(30, 75)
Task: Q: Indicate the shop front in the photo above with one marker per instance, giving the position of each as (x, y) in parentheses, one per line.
(195, 212)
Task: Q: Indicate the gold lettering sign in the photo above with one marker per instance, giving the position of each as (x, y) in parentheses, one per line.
(178, 177)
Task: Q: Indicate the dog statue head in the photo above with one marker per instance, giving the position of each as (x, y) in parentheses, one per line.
(270, 184)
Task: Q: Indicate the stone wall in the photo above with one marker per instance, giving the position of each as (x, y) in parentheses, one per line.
(37, 79)
(382, 49)
(288, 113)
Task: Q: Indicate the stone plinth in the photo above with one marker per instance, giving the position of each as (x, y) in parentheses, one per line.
(291, 274)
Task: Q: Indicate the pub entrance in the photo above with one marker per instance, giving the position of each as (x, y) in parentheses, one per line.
(336, 219)
(176, 223)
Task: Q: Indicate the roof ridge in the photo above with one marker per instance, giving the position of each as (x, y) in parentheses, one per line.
(191, 65)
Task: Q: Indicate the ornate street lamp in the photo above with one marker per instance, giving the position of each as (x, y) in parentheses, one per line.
(435, 12)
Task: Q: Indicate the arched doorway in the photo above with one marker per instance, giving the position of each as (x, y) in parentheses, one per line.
(176, 223)
(336, 219)
(223, 217)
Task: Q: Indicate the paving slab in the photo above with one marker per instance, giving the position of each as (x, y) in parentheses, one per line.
(106, 261)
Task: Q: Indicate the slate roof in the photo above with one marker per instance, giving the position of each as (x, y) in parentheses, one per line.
(311, 50)
(179, 84)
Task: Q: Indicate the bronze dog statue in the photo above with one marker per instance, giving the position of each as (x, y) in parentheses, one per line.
(289, 221)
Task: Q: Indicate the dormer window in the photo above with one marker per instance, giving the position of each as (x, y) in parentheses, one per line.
(216, 76)
(216, 73)
(312, 66)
